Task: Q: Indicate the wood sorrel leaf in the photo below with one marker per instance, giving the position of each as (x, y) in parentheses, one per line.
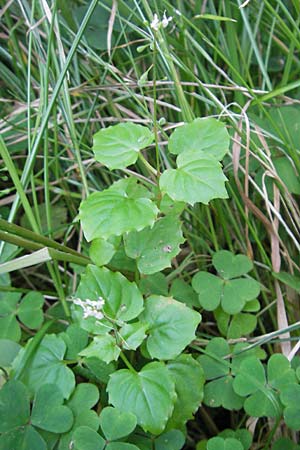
(116, 424)
(117, 210)
(148, 394)
(155, 247)
(122, 299)
(30, 310)
(202, 135)
(14, 406)
(218, 443)
(25, 438)
(84, 438)
(118, 146)
(188, 376)
(48, 412)
(198, 178)
(229, 265)
(172, 326)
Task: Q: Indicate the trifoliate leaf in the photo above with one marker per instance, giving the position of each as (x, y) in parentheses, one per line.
(148, 394)
(202, 135)
(184, 293)
(116, 424)
(9, 327)
(213, 361)
(118, 146)
(76, 339)
(229, 265)
(198, 178)
(48, 412)
(30, 310)
(209, 288)
(120, 446)
(116, 210)
(84, 438)
(154, 248)
(188, 376)
(14, 406)
(218, 443)
(219, 392)
(172, 326)
(25, 438)
(103, 347)
(290, 397)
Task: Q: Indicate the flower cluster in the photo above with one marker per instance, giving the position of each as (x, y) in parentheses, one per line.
(91, 308)
(156, 23)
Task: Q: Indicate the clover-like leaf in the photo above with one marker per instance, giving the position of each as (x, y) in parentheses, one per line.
(103, 347)
(220, 392)
(205, 135)
(209, 288)
(116, 424)
(85, 438)
(218, 443)
(30, 310)
(170, 440)
(172, 326)
(48, 366)
(188, 376)
(229, 265)
(183, 292)
(233, 327)
(285, 444)
(117, 210)
(120, 446)
(84, 397)
(290, 397)
(122, 299)
(9, 327)
(148, 394)
(118, 146)
(242, 435)
(14, 406)
(198, 178)
(155, 247)
(76, 339)
(25, 438)
(48, 412)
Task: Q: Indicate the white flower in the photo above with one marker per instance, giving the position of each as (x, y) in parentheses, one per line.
(156, 23)
(91, 308)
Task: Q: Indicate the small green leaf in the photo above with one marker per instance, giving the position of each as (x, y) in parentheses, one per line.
(285, 444)
(8, 351)
(250, 378)
(188, 376)
(209, 289)
(48, 411)
(184, 293)
(103, 347)
(241, 325)
(84, 438)
(171, 440)
(76, 339)
(102, 250)
(218, 443)
(242, 435)
(122, 299)
(148, 394)
(25, 438)
(154, 248)
(14, 406)
(202, 135)
(132, 335)
(229, 265)
(219, 392)
(9, 327)
(116, 210)
(99, 369)
(237, 292)
(172, 326)
(198, 178)
(116, 424)
(213, 362)
(290, 397)
(154, 284)
(30, 310)
(118, 146)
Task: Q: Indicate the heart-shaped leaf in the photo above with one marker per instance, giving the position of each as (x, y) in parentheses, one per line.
(188, 376)
(122, 299)
(25, 438)
(118, 146)
(103, 347)
(242, 435)
(116, 424)
(202, 135)
(76, 339)
(9, 327)
(198, 178)
(209, 288)
(148, 394)
(30, 310)
(116, 210)
(172, 326)
(48, 412)
(218, 443)
(290, 397)
(14, 398)
(84, 438)
(229, 265)
(220, 392)
(155, 247)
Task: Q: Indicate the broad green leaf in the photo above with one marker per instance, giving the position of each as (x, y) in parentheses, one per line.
(229, 265)
(118, 146)
(219, 392)
(123, 300)
(202, 135)
(171, 440)
(48, 366)
(250, 378)
(209, 289)
(14, 406)
(184, 293)
(252, 306)
(172, 326)
(198, 178)
(8, 351)
(154, 248)
(148, 394)
(188, 376)
(116, 210)
(76, 339)
(30, 310)
(99, 369)
(84, 398)
(102, 250)
(169, 207)
(116, 424)
(103, 347)
(25, 438)
(132, 335)
(84, 438)
(48, 411)
(218, 443)
(154, 284)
